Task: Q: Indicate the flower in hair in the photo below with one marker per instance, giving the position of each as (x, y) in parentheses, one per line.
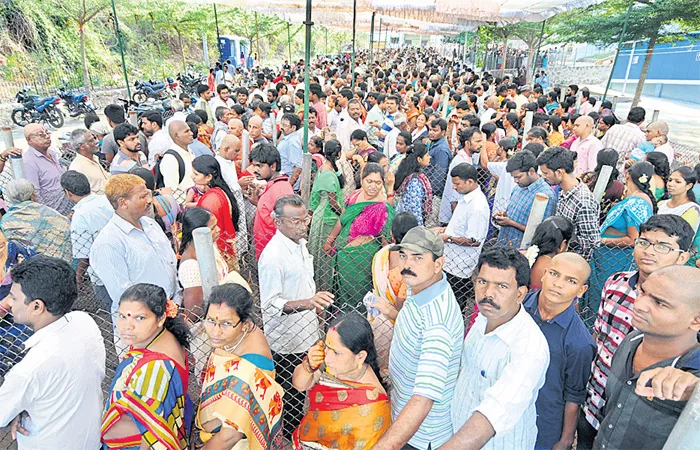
(643, 179)
(171, 309)
(531, 254)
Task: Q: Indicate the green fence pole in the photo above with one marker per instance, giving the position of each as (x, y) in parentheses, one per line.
(617, 52)
(218, 36)
(307, 63)
(121, 49)
(371, 43)
(352, 58)
(289, 42)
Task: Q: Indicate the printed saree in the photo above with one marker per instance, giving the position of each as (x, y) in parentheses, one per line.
(243, 397)
(151, 389)
(322, 223)
(40, 227)
(343, 415)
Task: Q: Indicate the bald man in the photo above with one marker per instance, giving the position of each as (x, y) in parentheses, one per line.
(656, 129)
(235, 127)
(586, 146)
(491, 104)
(571, 349)
(255, 128)
(42, 168)
(229, 153)
(657, 365)
(176, 164)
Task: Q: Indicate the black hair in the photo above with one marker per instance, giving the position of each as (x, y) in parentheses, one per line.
(488, 129)
(697, 171)
(607, 157)
(689, 177)
(410, 164)
(512, 118)
(193, 118)
(522, 161)
(238, 109)
(403, 222)
(538, 132)
(76, 183)
(574, 88)
(208, 165)
(555, 122)
(407, 137)
(146, 175)
(90, 118)
(594, 115)
(115, 113)
(464, 171)
(193, 128)
(242, 90)
(467, 134)
(155, 299)
(201, 89)
(356, 334)
(153, 116)
(236, 297)
(222, 87)
(542, 102)
(442, 123)
(293, 120)
(550, 234)
(660, 162)
(202, 115)
(643, 170)
(371, 168)
(636, 115)
(505, 258)
(535, 148)
(609, 120)
(375, 157)
(51, 280)
(674, 226)
(195, 217)
(267, 154)
(506, 144)
(555, 158)
(331, 150)
(358, 135)
(124, 130)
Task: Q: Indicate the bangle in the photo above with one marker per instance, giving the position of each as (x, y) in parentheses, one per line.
(4, 309)
(307, 365)
(3, 158)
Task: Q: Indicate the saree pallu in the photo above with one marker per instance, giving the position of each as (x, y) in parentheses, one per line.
(216, 201)
(343, 415)
(40, 227)
(322, 223)
(353, 264)
(149, 388)
(242, 397)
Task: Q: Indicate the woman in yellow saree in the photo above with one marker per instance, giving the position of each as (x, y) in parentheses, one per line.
(241, 403)
(348, 405)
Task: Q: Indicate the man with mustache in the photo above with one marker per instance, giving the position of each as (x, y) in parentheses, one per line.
(664, 240)
(504, 360)
(425, 350)
(571, 349)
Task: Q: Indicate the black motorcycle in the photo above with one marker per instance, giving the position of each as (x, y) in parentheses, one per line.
(37, 109)
(77, 102)
(149, 89)
(189, 84)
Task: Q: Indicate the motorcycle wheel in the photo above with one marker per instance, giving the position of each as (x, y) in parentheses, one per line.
(140, 97)
(54, 116)
(20, 117)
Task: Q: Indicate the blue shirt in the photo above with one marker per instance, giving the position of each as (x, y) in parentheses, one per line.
(518, 210)
(291, 154)
(440, 157)
(199, 149)
(571, 352)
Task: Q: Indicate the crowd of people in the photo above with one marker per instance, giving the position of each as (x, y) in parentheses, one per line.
(451, 282)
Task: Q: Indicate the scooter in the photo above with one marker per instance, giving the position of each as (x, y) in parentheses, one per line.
(37, 109)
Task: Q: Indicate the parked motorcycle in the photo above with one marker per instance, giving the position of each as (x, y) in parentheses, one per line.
(189, 83)
(149, 89)
(77, 103)
(37, 109)
(162, 106)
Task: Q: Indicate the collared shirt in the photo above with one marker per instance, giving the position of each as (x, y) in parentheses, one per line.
(90, 215)
(632, 421)
(585, 108)
(612, 324)
(59, 383)
(45, 175)
(263, 225)
(159, 143)
(581, 208)
(291, 154)
(373, 115)
(390, 142)
(217, 136)
(122, 255)
(470, 220)
(204, 106)
(199, 149)
(333, 120)
(505, 186)
(93, 170)
(587, 151)
(286, 273)
(346, 125)
(170, 169)
(123, 163)
(424, 359)
(321, 115)
(519, 207)
(449, 194)
(571, 350)
(501, 374)
(228, 172)
(216, 102)
(624, 138)
(440, 157)
(486, 116)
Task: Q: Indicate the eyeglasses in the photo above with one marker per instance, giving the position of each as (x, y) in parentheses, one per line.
(40, 134)
(225, 325)
(298, 221)
(662, 249)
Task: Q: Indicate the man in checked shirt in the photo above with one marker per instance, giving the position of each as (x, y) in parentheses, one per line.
(576, 202)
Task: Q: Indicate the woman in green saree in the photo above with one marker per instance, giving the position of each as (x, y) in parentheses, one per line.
(325, 206)
(361, 231)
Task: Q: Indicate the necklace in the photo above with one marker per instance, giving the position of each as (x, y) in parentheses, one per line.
(361, 375)
(233, 349)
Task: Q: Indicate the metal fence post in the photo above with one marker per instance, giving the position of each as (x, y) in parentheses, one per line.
(17, 162)
(306, 176)
(602, 183)
(245, 150)
(535, 218)
(655, 115)
(686, 432)
(7, 137)
(204, 247)
(133, 119)
(528, 125)
(273, 119)
(614, 103)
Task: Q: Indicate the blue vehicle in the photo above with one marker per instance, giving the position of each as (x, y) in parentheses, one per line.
(77, 103)
(37, 109)
(236, 49)
(150, 89)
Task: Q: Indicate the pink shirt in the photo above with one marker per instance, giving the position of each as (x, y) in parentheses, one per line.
(587, 151)
(263, 225)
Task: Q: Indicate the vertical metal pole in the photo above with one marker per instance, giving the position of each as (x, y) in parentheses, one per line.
(379, 42)
(386, 37)
(537, 54)
(204, 246)
(205, 48)
(686, 431)
(289, 42)
(121, 49)
(273, 119)
(629, 66)
(655, 116)
(617, 52)
(371, 43)
(218, 36)
(306, 163)
(257, 37)
(352, 57)
(245, 150)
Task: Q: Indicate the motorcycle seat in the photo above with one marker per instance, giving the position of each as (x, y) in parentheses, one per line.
(156, 86)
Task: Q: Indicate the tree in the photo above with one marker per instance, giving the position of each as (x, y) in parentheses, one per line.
(530, 33)
(652, 20)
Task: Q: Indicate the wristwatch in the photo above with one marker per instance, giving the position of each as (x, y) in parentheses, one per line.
(449, 239)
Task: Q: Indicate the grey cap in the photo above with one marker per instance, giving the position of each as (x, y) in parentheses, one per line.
(422, 240)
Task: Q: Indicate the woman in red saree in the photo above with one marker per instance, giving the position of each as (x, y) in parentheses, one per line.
(220, 201)
(348, 405)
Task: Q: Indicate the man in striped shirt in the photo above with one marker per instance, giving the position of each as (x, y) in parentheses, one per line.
(425, 350)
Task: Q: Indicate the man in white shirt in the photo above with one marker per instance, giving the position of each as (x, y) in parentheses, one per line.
(177, 171)
(465, 234)
(350, 121)
(228, 153)
(159, 140)
(400, 124)
(90, 214)
(491, 104)
(504, 360)
(53, 397)
(334, 117)
(223, 98)
(472, 140)
(506, 182)
(203, 103)
(86, 162)
(288, 299)
(374, 115)
(223, 116)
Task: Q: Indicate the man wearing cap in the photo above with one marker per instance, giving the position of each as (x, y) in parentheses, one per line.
(426, 348)
(523, 97)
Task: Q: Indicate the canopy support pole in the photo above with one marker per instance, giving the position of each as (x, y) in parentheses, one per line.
(289, 42)
(371, 43)
(379, 42)
(617, 52)
(257, 37)
(306, 179)
(537, 54)
(326, 30)
(121, 49)
(352, 58)
(218, 36)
